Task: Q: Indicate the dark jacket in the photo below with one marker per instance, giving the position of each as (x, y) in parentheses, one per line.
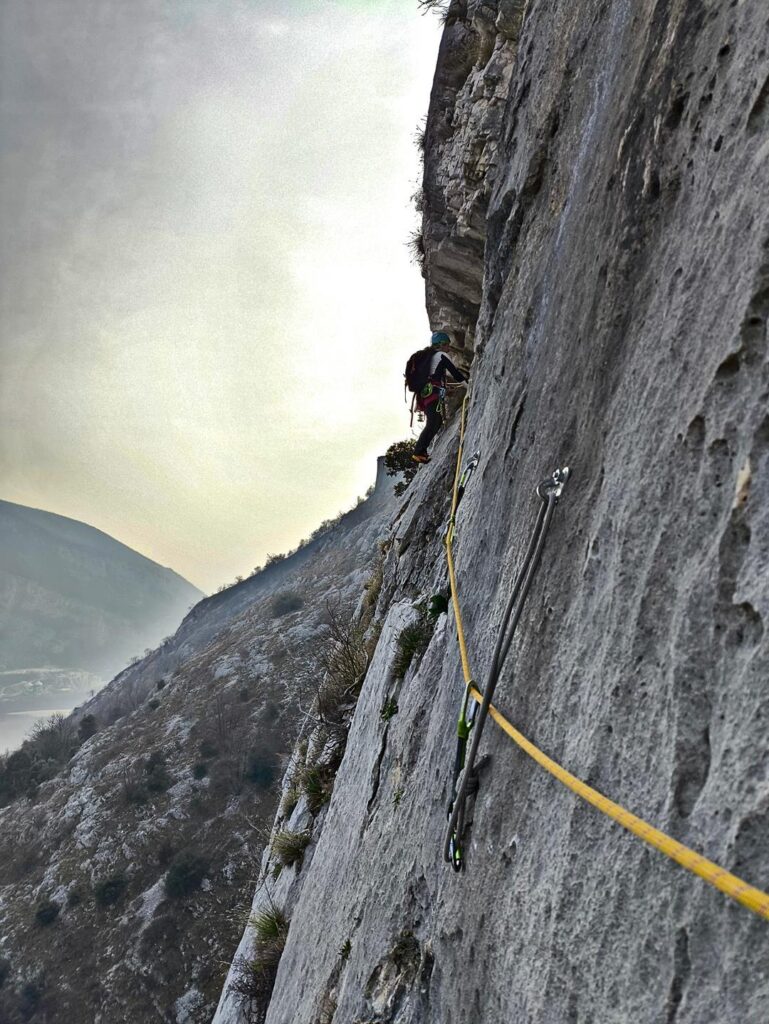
(440, 365)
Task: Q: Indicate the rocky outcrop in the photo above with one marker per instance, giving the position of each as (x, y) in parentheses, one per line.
(472, 81)
(621, 329)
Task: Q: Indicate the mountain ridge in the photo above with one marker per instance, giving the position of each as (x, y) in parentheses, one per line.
(72, 596)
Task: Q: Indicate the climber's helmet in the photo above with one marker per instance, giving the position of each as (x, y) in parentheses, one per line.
(440, 338)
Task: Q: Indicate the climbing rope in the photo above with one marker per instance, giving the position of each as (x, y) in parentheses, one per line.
(747, 895)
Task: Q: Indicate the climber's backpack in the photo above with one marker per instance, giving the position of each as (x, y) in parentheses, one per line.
(418, 369)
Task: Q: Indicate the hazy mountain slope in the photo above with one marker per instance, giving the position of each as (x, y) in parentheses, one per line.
(596, 228)
(183, 770)
(74, 598)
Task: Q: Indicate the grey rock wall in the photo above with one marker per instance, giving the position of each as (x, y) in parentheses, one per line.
(622, 329)
(472, 82)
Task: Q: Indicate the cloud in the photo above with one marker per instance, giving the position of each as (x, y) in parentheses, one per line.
(207, 298)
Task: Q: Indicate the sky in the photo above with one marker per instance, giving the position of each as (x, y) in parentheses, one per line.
(206, 300)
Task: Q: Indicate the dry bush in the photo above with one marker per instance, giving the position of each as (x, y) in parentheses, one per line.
(316, 783)
(255, 984)
(415, 244)
(441, 7)
(288, 847)
(290, 800)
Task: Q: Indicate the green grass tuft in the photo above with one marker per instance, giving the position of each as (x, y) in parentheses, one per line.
(316, 785)
(411, 643)
(389, 710)
(288, 847)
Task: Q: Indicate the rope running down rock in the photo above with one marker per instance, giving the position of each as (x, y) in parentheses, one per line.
(549, 491)
(747, 895)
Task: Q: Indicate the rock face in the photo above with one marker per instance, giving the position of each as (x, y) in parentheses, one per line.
(616, 252)
(472, 81)
(74, 598)
(125, 879)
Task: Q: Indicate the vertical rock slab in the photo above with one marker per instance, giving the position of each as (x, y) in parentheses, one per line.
(611, 273)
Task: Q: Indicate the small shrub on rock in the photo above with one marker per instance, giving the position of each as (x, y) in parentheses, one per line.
(134, 791)
(405, 954)
(270, 928)
(165, 854)
(185, 874)
(316, 785)
(389, 710)
(87, 728)
(30, 997)
(373, 586)
(261, 770)
(200, 770)
(75, 897)
(398, 462)
(290, 800)
(416, 247)
(285, 604)
(47, 912)
(157, 778)
(411, 643)
(110, 890)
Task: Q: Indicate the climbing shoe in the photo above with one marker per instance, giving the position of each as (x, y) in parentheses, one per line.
(420, 458)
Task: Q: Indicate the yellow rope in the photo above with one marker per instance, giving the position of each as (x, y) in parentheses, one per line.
(740, 891)
(449, 554)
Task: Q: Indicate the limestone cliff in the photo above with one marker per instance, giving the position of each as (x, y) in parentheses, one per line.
(596, 229)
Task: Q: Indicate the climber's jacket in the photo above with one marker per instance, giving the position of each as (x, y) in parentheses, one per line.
(440, 365)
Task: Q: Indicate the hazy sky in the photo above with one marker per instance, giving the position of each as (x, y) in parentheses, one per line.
(206, 298)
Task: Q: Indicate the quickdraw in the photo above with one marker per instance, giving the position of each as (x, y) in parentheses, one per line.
(472, 722)
(465, 723)
(469, 707)
(464, 480)
(426, 391)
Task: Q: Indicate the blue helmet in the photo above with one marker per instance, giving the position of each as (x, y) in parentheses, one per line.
(440, 338)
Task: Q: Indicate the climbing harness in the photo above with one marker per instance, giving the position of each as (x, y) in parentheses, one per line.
(747, 895)
(549, 491)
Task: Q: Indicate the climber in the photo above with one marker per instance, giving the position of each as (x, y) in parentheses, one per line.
(426, 376)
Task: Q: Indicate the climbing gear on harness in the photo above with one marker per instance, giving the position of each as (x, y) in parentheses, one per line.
(549, 491)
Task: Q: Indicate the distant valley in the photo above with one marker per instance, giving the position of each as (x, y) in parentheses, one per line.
(76, 606)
